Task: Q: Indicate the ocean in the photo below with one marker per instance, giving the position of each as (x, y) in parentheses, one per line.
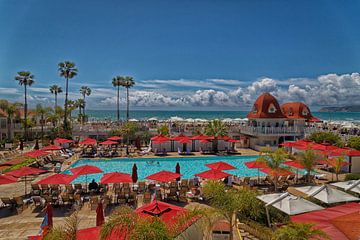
(162, 115)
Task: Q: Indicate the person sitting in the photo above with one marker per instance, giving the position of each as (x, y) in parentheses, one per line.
(93, 185)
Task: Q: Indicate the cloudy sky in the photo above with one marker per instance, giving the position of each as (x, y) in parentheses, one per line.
(185, 54)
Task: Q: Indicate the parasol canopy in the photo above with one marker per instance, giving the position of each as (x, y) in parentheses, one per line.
(220, 166)
(116, 177)
(35, 154)
(25, 171)
(88, 141)
(276, 172)
(5, 179)
(115, 138)
(59, 178)
(213, 174)
(86, 169)
(109, 142)
(164, 176)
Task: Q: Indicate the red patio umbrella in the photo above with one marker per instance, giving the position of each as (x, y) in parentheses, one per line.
(23, 172)
(35, 154)
(88, 141)
(213, 174)
(276, 172)
(164, 176)
(184, 140)
(115, 177)
(232, 141)
(51, 148)
(109, 142)
(200, 137)
(62, 140)
(294, 164)
(100, 219)
(114, 138)
(85, 170)
(256, 164)
(59, 178)
(134, 174)
(4, 179)
(220, 166)
(178, 137)
(160, 138)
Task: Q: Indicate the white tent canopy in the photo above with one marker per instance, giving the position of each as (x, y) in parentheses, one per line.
(352, 185)
(327, 194)
(289, 203)
(153, 119)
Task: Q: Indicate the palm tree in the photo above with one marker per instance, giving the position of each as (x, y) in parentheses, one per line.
(67, 70)
(25, 78)
(66, 231)
(10, 109)
(42, 112)
(308, 160)
(71, 106)
(85, 91)
(117, 82)
(230, 202)
(80, 103)
(338, 164)
(273, 160)
(299, 231)
(217, 129)
(55, 89)
(127, 83)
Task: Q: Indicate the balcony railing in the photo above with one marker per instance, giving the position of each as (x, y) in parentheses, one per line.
(271, 130)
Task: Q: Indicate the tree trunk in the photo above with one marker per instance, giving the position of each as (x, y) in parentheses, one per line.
(117, 103)
(25, 115)
(215, 145)
(84, 105)
(127, 104)
(9, 127)
(55, 100)
(42, 128)
(66, 105)
(231, 236)
(276, 183)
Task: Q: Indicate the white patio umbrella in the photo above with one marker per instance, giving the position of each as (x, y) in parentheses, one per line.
(153, 119)
(289, 203)
(327, 194)
(352, 185)
(133, 120)
(176, 119)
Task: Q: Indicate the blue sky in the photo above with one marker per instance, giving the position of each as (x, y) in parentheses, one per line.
(203, 54)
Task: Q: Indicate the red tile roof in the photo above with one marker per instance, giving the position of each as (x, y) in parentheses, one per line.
(266, 106)
(296, 110)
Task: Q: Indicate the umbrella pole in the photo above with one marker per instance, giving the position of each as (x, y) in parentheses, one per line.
(268, 217)
(258, 176)
(25, 185)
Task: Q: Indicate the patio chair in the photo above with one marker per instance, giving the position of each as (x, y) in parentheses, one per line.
(132, 200)
(65, 200)
(173, 194)
(106, 199)
(45, 189)
(78, 200)
(290, 179)
(94, 202)
(35, 190)
(174, 184)
(147, 197)
(191, 183)
(78, 188)
(182, 196)
(54, 189)
(142, 187)
(69, 188)
(19, 204)
(37, 200)
(7, 202)
(184, 183)
(121, 199)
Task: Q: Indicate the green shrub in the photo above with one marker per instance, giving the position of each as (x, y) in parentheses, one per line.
(352, 176)
(328, 137)
(354, 142)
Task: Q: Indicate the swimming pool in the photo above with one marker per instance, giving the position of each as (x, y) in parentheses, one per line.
(147, 166)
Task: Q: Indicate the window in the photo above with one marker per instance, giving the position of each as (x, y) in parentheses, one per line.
(291, 112)
(305, 112)
(272, 108)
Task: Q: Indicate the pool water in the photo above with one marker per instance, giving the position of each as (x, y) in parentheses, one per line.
(147, 166)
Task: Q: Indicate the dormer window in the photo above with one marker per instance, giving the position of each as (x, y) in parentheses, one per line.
(272, 108)
(291, 112)
(254, 109)
(305, 112)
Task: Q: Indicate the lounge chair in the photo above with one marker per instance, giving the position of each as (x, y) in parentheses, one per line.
(182, 196)
(19, 204)
(37, 200)
(45, 189)
(7, 202)
(69, 188)
(35, 190)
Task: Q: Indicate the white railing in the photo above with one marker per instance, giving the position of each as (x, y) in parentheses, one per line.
(271, 130)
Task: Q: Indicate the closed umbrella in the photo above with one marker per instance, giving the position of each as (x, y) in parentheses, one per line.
(213, 174)
(49, 212)
(134, 174)
(177, 170)
(36, 147)
(100, 219)
(4, 179)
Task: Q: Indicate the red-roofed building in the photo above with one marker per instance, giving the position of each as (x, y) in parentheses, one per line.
(269, 125)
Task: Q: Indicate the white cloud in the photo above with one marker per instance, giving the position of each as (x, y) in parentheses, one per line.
(329, 89)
